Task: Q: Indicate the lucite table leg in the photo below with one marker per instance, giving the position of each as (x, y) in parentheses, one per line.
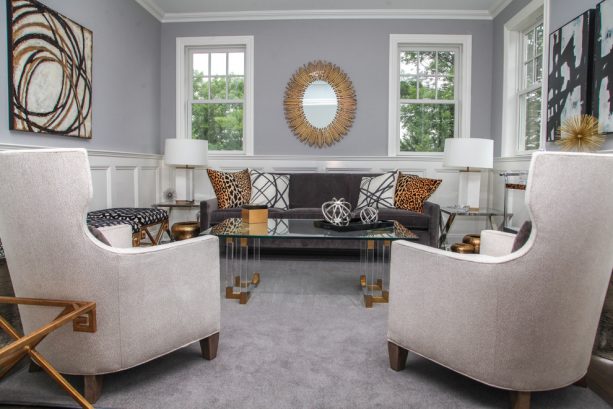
(374, 255)
(243, 268)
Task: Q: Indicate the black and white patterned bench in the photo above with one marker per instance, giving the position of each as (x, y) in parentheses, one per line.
(141, 220)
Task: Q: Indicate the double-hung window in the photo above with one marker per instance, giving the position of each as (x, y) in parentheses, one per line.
(429, 102)
(530, 84)
(215, 101)
(522, 99)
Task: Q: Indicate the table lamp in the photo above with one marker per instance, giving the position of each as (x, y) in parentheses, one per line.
(472, 155)
(185, 155)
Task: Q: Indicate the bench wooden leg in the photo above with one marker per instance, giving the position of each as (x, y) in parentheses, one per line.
(520, 400)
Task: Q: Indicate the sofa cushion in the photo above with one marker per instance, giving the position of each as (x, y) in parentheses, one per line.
(232, 189)
(304, 213)
(412, 220)
(269, 190)
(377, 191)
(412, 191)
(314, 189)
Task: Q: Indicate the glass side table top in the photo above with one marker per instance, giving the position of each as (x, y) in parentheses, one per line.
(484, 211)
(303, 229)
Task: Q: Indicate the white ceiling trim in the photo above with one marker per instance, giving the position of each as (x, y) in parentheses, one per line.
(403, 14)
(497, 8)
(152, 8)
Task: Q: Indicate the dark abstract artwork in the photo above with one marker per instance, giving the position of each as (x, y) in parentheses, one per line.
(569, 72)
(50, 71)
(602, 100)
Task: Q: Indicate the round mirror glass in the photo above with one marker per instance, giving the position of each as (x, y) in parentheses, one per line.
(319, 104)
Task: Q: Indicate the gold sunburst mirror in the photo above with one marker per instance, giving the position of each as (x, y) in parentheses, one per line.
(319, 104)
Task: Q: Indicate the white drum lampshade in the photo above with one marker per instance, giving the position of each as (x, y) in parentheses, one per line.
(185, 154)
(189, 153)
(467, 153)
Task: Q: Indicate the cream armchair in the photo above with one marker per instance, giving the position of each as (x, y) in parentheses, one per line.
(523, 321)
(149, 301)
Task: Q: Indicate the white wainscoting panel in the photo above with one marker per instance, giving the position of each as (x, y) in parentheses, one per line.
(119, 178)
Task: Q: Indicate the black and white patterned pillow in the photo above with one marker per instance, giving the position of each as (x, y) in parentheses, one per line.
(378, 191)
(270, 190)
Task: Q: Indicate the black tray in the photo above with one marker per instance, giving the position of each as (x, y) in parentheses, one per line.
(354, 225)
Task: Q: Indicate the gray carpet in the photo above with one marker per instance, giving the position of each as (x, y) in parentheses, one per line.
(303, 341)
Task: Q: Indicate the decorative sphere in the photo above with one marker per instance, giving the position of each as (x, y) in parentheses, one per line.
(337, 211)
(369, 215)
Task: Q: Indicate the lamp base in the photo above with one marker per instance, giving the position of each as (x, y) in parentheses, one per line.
(469, 189)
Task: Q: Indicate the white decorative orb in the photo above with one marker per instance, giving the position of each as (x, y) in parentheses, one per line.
(337, 211)
(369, 215)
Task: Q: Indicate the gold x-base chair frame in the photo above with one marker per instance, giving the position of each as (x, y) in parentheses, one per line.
(82, 314)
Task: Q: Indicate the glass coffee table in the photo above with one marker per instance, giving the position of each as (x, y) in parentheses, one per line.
(242, 260)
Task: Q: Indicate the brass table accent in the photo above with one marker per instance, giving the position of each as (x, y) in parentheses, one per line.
(185, 230)
(475, 240)
(82, 314)
(463, 248)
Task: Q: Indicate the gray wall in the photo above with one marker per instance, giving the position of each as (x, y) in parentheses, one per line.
(126, 77)
(359, 47)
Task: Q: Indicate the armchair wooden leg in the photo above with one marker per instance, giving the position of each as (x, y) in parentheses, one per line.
(93, 388)
(209, 346)
(520, 400)
(398, 356)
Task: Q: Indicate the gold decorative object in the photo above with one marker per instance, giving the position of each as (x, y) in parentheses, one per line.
(463, 248)
(580, 133)
(474, 240)
(255, 214)
(293, 103)
(185, 230)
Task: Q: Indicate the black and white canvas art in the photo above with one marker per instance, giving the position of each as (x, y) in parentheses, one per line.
(50, 71)
(603, 66)
(569, 72)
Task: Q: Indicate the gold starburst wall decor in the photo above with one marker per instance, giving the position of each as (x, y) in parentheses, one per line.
(580, 133)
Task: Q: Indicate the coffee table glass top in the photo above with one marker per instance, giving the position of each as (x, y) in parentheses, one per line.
(303, 229)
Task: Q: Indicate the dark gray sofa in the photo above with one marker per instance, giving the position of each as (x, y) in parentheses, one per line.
(307, 192)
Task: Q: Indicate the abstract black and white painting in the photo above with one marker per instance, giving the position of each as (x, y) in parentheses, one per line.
(602, 99)
(569, 72)
(50, 71)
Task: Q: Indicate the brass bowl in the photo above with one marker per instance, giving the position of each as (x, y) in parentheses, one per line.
(185, 230)
(475, 240)
(463, 248)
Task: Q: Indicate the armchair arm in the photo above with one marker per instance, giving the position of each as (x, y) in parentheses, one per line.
(434, 211)
(206, 208)
(169, 297)
(496, 243)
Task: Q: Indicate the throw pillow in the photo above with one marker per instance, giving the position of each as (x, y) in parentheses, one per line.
(232, 189)
(377, 191)
(522, 235)
(412, 191)
(269, 190)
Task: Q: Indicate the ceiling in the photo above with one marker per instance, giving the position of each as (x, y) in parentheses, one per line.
(215, 10)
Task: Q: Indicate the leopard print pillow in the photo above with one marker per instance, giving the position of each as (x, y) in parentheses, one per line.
(232, 189)
(412, 191)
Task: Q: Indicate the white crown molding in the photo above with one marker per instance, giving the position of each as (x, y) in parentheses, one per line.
(324, 158)
(152, 7)
(403, 14)
(90, 152)
(498, 7)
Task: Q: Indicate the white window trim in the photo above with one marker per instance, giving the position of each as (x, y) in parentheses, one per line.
(513, 31)
(183, 44)
(463, 75)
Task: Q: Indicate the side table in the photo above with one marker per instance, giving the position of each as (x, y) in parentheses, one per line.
(453, 212)
(181, 205)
